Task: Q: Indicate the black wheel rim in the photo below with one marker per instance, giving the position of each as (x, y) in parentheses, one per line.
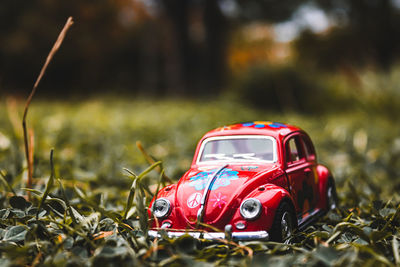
(331, 198)
(286, 225)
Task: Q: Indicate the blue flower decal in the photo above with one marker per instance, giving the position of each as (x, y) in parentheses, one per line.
(263, 124)
(277, 125)
(199, 181)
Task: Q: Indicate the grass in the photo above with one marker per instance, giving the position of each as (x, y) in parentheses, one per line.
(86, 210)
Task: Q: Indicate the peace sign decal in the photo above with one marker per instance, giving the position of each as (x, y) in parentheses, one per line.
(194, 200)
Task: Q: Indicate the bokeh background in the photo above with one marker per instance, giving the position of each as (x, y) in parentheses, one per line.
(280, 55)
(164, 72)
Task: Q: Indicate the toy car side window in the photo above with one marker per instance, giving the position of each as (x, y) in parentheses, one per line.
(294, 152)
(308, 147)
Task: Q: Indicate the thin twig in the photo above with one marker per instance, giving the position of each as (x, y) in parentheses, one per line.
(31, 150)
(55, 48)
(49, 185)
(37, 258)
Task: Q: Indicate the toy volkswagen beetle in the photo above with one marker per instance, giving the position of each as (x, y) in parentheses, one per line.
(251, 181)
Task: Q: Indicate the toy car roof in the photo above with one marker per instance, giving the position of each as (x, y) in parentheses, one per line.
(269, 128)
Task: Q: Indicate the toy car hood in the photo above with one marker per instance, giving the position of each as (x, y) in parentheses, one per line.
(225, 195)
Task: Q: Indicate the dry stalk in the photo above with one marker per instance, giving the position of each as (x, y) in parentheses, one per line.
(31, 138)
(29, 148)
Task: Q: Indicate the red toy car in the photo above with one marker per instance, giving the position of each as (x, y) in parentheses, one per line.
(252, 181)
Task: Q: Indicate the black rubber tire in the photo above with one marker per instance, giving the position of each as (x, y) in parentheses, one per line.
(279, 231)
(331, 195)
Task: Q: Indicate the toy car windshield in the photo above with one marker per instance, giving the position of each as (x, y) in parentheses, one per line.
(238, 148)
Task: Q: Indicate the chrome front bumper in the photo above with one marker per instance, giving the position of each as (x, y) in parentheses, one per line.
(236, 236)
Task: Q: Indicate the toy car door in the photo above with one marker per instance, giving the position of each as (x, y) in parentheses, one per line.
(311, 161)
(301, 175)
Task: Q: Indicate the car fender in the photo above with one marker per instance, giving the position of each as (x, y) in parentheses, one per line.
(167, 192)
(270, 196)
(323, 174)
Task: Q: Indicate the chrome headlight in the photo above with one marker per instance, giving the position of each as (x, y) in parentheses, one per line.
(161, 208)
(250, 208)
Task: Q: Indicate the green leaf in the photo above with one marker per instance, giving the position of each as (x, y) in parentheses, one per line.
(321, 234)
(5, 213)
(71, 213)
(333, 237)
(57, 205)
(373, 253)
(346, 226)
(361, 241)
(129, 202)
(18, 214)
(16, 234)
(379, 235)
(31, 211)
(80, 252)
(386, 212)
(68, 242)
(327, 228)
(149, 169)
(36, 192)
(377, 204)
(111, 214)
(79, 218)
(107, 225)
(392, 218)
(185, 244)
(18, 202)
(326, 255)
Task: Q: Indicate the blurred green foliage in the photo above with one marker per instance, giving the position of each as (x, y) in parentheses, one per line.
(285, 88)
(88, 214)
(282, 88)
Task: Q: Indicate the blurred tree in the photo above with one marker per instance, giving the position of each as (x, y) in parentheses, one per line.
(202, 31)
(266, 10)
(157, 46)
(366, 32)
(177, 12)
(98, 52)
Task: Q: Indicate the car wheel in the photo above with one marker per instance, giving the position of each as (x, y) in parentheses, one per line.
(284, 224)
(331, 195)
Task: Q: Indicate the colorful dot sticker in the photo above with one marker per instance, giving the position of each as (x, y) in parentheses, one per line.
(263, 124)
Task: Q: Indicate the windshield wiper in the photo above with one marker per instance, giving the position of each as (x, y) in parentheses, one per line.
(218, 156)
(250, 156)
